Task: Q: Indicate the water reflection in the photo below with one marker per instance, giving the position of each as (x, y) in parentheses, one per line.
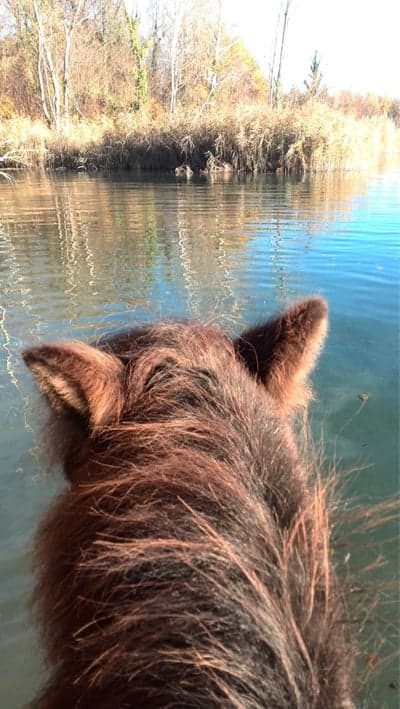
(87, 240)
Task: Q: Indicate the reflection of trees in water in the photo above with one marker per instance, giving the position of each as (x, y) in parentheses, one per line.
(202, 233)
(16, 298)
(297, 210)
(278, 263)
(75, 248)
(100, 253)
(95, 241)
(82, 246)
(309, 202)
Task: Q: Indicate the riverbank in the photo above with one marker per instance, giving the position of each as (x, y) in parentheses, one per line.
(314, 137)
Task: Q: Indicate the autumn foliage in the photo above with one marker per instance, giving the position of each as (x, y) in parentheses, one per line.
(83, 84)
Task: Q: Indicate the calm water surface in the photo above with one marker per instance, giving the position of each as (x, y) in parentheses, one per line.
(82, 255)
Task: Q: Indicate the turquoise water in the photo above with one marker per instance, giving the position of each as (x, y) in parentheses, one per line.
(81, 255)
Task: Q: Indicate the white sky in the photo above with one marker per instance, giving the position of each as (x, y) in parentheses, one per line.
(358, 40)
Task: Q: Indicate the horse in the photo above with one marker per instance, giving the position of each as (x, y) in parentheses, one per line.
(188, 562)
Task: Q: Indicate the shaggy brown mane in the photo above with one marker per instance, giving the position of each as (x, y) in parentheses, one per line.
(187, 563)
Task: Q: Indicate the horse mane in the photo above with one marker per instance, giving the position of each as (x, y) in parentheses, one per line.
(187, 563)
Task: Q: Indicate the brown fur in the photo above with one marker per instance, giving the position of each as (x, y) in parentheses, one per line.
(187, 563)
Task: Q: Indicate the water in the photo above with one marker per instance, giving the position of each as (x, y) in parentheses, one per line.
(81, 255)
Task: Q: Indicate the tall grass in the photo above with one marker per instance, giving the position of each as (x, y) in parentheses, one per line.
(251, 139)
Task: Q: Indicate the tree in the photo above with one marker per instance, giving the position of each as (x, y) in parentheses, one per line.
(156, 39)
(313, 84)
(51, 20)
(67, 58)
(47, 76)
(174, 65)
(276, 72)
(71, 14)
(139, 50)
(213, 75)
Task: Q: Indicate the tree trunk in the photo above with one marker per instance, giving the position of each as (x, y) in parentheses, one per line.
(214, 77)
(278, 75)
(66, 76)
(273, 61)
(174, 59)
(68, 30)
(43, 47)
(155, 46)
(41, 86)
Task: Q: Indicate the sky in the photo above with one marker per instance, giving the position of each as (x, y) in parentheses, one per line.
(358, 40)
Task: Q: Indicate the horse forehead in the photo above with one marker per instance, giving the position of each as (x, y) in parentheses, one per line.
(176, 334)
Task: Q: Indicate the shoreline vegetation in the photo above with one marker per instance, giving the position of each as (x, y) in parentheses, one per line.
(88, 85)
(256, 140)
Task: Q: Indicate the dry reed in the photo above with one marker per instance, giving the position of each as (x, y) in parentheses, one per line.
(251, 139)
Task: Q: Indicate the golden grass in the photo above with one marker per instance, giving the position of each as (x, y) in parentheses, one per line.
(252, 139)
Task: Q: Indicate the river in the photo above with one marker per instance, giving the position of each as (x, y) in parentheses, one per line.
(85, 254)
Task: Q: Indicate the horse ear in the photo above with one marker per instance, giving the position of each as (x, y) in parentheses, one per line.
(77, 377)
(282, 352)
